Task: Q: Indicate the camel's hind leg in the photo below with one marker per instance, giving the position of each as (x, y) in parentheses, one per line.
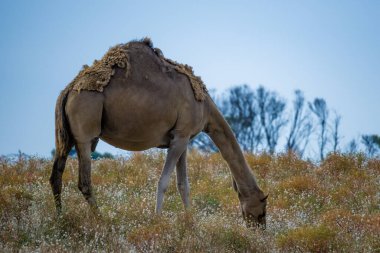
(84, 182)
(56, 179)
(182, 180)
(176, 149)
(84, 112)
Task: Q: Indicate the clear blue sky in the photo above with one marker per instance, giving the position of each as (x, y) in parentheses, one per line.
(328, 49)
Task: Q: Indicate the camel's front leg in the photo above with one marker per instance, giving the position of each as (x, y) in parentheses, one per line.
(176, 149)
(182, 180)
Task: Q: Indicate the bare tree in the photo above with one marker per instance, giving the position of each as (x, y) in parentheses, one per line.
(301, 126)
(372, 144)
(352, 147)
(239, 108)
(319, 108)
(271, 110)
(335, 132)
(241, 112)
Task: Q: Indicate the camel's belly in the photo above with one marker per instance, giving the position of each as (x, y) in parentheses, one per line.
(134, 146)
(137, 140)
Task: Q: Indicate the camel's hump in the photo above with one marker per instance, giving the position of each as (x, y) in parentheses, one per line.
(98, 75)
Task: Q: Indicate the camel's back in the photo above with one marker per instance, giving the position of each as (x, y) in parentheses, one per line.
(144, 61)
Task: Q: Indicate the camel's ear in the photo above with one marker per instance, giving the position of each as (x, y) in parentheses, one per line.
(265, 197)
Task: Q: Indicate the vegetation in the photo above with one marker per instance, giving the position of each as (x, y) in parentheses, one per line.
(327, 207)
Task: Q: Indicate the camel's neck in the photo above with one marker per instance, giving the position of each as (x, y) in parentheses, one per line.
(223, 137)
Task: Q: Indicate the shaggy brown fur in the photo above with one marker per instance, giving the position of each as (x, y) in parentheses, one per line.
(199, 88)
(97, 76)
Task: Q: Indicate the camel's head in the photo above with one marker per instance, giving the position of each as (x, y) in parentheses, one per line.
(253, 209)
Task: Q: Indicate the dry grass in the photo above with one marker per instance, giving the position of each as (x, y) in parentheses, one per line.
(332, 207)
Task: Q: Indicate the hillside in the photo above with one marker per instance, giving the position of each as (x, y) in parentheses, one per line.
(334, 206)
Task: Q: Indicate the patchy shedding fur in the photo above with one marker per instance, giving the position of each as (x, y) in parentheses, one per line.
(97, 76)
(199, 88)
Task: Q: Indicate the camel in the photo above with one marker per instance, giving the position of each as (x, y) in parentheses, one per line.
(135, 99)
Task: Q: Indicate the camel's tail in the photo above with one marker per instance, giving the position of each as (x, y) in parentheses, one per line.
(63, 138)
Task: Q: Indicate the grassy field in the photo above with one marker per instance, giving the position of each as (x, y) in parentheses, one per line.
(331, 207)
